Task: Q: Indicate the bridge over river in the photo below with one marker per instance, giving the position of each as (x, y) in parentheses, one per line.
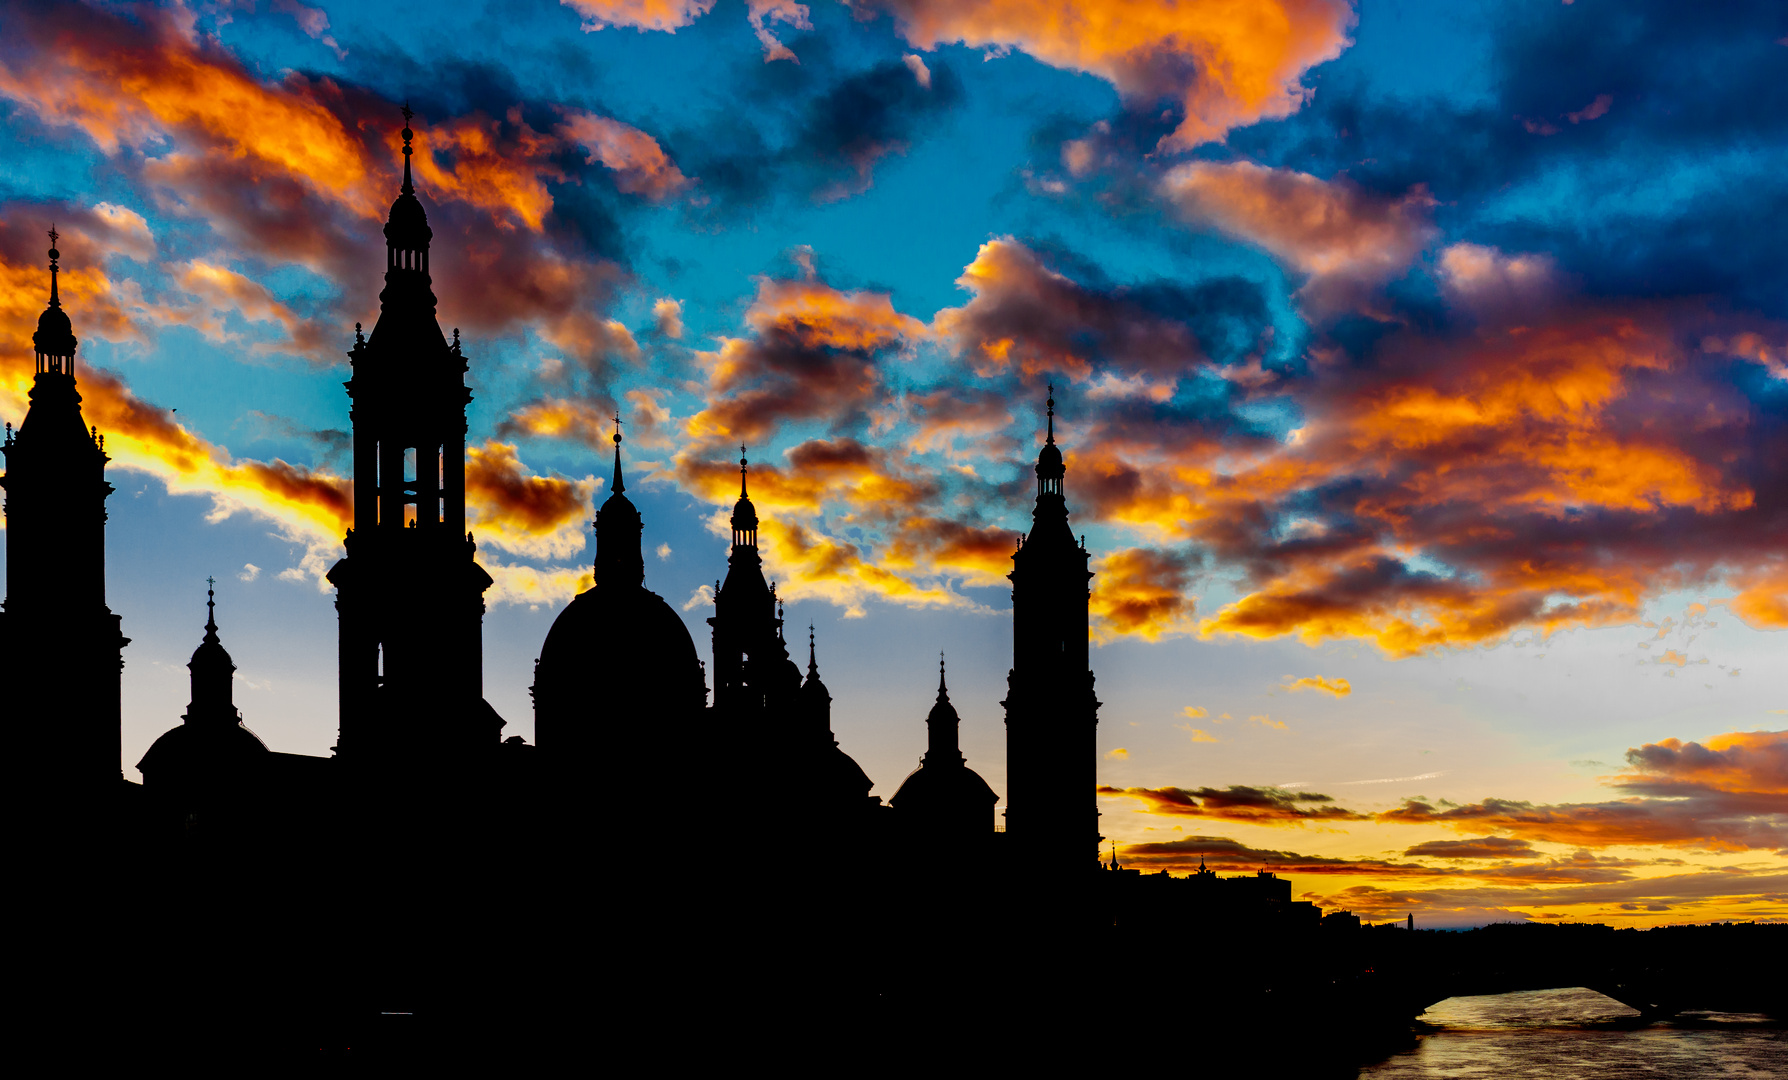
(1660, 973)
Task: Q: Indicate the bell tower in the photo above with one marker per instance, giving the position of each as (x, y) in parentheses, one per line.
(56, 624)
(1051, 710)
(747, 643)
(409, 595)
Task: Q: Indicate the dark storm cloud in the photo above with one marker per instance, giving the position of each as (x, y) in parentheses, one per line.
(1481, 847)
(1239, 803)
(813, 129)
(1653, 126)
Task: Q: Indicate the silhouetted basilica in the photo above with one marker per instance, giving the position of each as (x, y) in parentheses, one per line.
(434, 888)
(389, 865)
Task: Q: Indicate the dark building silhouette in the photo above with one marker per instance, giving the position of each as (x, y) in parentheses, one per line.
(619, 667)
(943, 799)
(430, 892)
(410, 593)
(1051, 710)
(767, 722)
(56, 624)
(204, 766)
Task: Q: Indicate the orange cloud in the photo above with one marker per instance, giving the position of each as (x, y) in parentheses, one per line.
(1141, 591)
(814, 566)
(813, 354)
(539, 516)
(1517, 431)
(945, 416)
(641, 166)
(1484, 277)
(310, 177)
(1337, 687)
(1246, 805)
(1740, 761)
(562, 418)
(220, 290)
(666, 15)
(1327, 229)
(123, 86)
(1730, 794)
(1481, 847)
(1028, 316)
(1226, 65)
(921, 555)
(761, 12)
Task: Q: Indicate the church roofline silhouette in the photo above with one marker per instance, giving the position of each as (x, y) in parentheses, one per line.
(425, 819)
(431, 868)
(409, 597)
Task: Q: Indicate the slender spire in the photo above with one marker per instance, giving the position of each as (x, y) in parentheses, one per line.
(620, 562)
(620, 485)
(745, 514)
(812, 655)
(943, 747)
(408, 188)
(54, 342)
(212, 669)
(1050, 469)
(55, 297)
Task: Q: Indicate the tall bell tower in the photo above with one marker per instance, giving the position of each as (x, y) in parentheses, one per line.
(409, 595)
(1051, 711)
(57, 630)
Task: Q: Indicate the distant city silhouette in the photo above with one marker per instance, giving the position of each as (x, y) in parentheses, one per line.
(436, 888)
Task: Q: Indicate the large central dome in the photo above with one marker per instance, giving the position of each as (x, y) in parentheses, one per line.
(618, 663)
(617, 653)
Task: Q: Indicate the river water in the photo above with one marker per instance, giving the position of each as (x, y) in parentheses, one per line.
(1581, 1035)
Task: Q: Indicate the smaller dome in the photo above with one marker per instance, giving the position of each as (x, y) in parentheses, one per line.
(943, 712)
(211, 656)
(407, 228)
(1049, 463)
(620, 507)
(55, 333)
(744, 515)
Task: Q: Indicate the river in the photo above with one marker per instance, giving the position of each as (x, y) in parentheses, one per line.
(1580, 1035)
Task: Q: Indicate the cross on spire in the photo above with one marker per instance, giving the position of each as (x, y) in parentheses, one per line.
(620, 484)
(742, 466)
(55, 300)
(1051, 412)
(408, 188)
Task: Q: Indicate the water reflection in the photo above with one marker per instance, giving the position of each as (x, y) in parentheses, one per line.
(1580, 1034)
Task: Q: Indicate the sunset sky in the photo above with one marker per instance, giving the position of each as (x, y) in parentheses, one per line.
(1422, 372)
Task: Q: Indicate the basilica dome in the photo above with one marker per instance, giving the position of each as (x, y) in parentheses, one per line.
(618, 655)
(619, 647)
